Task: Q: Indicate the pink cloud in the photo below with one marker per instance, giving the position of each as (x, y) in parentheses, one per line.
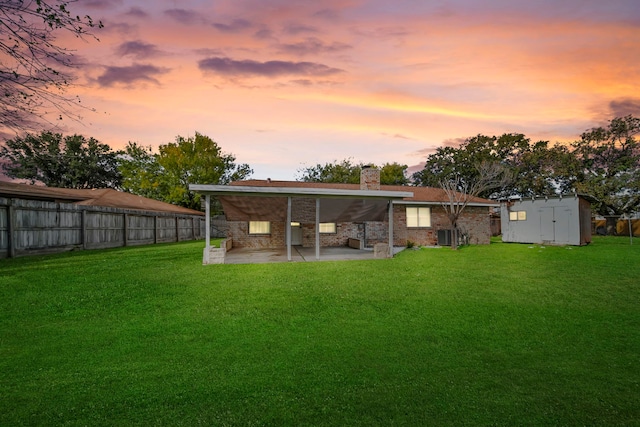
(238, 68)
(184, 16)
(130, 75)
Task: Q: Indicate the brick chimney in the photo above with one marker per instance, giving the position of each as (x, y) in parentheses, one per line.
(370, 178)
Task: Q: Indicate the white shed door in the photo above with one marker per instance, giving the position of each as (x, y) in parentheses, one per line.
(554, 224)
(547, 228)
(562, 217)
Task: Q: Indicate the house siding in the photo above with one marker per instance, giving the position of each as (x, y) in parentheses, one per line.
(475, 221)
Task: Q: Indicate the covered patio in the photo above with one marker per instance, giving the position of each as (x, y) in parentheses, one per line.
(244, 203)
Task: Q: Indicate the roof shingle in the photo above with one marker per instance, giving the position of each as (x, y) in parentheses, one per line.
(104, 197)
(420, 194)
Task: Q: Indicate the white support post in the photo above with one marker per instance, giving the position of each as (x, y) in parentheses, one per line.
(207, 221)
(288, 228)
(206, 257)
(318, 228)
(391, 228)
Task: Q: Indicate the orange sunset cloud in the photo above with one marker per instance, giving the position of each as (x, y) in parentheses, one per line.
(282, 83)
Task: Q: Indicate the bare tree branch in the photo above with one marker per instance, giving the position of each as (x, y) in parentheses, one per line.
(460, 192)
(34, 70)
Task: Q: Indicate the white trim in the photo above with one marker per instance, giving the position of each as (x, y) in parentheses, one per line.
(241, 190)
(318, 228)
(206, 257)
(390, 233)
(475, 204)
(207, 222)
(288, 229)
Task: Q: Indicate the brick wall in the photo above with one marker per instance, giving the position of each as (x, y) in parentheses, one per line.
(303, 210)
(370, 178)
(376, 232)
(344, 231)
(238, 231)
(475, 221)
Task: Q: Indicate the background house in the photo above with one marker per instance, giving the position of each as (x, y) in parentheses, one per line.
(259, 222)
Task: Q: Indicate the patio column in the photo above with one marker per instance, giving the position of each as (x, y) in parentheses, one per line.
(206, 257)
(391, 228)
(288, 228)
(207, 221)
(318, 228)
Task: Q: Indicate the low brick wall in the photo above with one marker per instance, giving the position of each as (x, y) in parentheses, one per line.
(214, 256)
(381, 250)
(217, 255)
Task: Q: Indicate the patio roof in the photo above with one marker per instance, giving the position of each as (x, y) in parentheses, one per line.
(241, 190)
(246, 202)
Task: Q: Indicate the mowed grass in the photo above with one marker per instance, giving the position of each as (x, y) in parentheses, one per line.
(502, 334)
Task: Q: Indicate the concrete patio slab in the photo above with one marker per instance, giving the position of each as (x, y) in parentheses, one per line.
(298, 254)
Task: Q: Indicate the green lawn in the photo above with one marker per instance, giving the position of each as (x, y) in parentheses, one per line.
(502, 334)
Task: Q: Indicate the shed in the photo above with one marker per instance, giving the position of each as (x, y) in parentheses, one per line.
(561, 220)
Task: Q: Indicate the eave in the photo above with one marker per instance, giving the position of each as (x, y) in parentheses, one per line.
(233, 190)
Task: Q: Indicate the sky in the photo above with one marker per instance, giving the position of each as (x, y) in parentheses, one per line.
(284, 84)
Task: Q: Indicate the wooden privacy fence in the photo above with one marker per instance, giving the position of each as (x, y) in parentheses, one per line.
(622, 226)
(29, 227)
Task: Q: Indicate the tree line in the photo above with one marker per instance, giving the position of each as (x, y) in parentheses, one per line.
(604, 163)
(78, 162)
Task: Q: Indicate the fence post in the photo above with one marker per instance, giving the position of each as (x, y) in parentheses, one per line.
(126, 229)
(155, 229)
(10, 224)
(83, 229)
(177, 229)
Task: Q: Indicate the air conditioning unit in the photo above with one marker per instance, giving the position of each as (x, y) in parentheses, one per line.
(444, 237)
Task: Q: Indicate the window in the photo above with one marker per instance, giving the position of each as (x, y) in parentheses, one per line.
(259, 227)
(418, 217)
(518, 216)
(328, 227)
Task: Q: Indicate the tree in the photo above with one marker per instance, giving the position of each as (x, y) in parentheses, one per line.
(543, 171)
(610, 167)
(35, 71)
(347, 172)
(343, 172)
(57, 161)
(141, 172)
(393, 174)
(537, 169)
(460, 192)
(166, 176)
(462, 165)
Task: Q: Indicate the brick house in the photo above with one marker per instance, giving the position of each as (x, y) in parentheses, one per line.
(265, 213)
